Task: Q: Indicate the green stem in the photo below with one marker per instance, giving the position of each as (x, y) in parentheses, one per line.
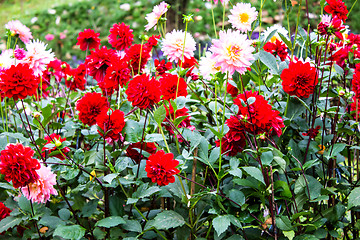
(213, 18)
(352, 8)
(162, 133)
(287, 105)
(296, 31)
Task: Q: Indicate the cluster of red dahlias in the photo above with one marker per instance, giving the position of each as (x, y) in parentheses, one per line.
(255, 116)
(18, 165)
(277, 49)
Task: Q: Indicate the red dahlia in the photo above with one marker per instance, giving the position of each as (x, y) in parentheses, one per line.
(161, 168)
(299, 79)
(4, 211)
(133, 57)
(231, 147)
(117, 74)
(162, 67)
(133, 151)
(98, 62)
(55, 140)
(143, 92)
(18, 82)
(153, 40)
(112, 124)
(90, 106)
(88, 39)
(312, 132)
(336, 8)
(356, 82)
(233, 91)
(172, 86)
(18, 165)
(277, 49)
(76, 79)
(121, 36)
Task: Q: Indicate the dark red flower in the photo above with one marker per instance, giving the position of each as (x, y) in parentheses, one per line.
(18, 165)
(88, 39)
(143, 92)
(90, 106)
(312, 132)
(233, 91)
(231, 147)
(133, 57)
(55, 140)
(111, 125)
(189, 63)
(121, 36)
(54, 68)
(161, 168)
(355, 107)
(356, 82)
(117, 74)
(276, 124)
(153, 40)
(277, 49)
(98, 62)
(185, 123)
(18, 82)
(133, 150)
(172, 86)
(336, 8)
(76, 79)
(162, 67)
(254, 112)
(299, 79)
(4, 211)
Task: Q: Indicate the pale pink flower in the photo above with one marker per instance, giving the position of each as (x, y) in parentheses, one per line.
(155, 15)
(41, 190)
(207, 66)
(37, 56)
(242, 16)
(232, 52)
(62, 35)
(49, 37)
(222, 1)
(7, 58)
(17, 28)
(173, 45)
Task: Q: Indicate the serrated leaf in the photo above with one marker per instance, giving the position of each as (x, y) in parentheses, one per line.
(354, 198)
(9, 222)
(70, 232)
(255, 173)
(110, 222)
(221, 223)
(168, 219)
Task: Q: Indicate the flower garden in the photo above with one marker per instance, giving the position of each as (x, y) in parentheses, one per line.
(253, 135)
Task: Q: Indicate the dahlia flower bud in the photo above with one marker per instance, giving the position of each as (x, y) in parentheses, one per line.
(57, 143)
(36, 114)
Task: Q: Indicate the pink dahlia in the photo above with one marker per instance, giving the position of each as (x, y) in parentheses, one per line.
(155, 15)
(232, 52)
(242, 16)
(19, 29)
(37, 56)
(175, 45)
(40, 190)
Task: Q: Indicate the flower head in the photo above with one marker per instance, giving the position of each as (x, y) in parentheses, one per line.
(242, 16)
(336, 8)
(172, 86)
(161, 168)
(6, 59)
(207, 66)
(90, 106)
(19, 29)
(76, 79)
(49, 37)
(234, 91)
(174, 48)
(54, 139)
(41, 190)
(112, 124)
(37, 56)
(18, 82)
(162, 67)
(18, 165)
(117, 74)
(143, 92)
(232, 52)
(4, 211)
(121, 36)
(19, 53)
(88, 39)
(133, 54)
(155, 15)
(98, 61)
(299, 79)
(278, 29)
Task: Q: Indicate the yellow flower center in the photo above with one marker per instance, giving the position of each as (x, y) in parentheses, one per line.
(234, 50)
(273, 39)
(244, 17)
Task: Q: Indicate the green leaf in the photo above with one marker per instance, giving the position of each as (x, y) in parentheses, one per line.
(18, 136)
(354, 198)
(335, 150)
(154, 137)
(269, 60)
(70, 232)
(51, 221)
(237, 196)
(64, 213)
(110, 222)
(9, 222)
(133, 131)
(132, 226)
(289, 234)
(168, 219)
(160, 114)
(255, 173)
(283, 223)
(266, 158)
(221, 223)
(110, 177)
(179, 120)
